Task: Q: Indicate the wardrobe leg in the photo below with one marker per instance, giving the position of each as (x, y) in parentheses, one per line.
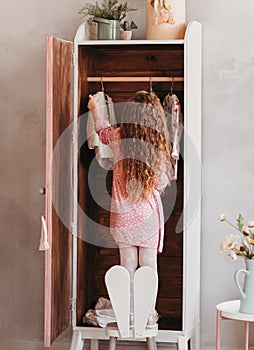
(112, 343)
(94, 344)
(182, 343)
(151, 343)
(77, 341)
(195, 339)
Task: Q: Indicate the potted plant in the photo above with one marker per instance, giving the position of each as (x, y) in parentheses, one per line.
(108, 16)
(126, 29)
(242, 245)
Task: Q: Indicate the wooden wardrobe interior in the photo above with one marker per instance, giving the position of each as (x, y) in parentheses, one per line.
(144, 60)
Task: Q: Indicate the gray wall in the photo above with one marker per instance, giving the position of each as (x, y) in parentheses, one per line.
(228, 106)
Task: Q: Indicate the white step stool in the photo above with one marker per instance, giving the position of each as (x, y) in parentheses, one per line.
(139, 331)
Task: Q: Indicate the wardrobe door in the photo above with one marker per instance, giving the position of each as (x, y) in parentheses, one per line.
(192, 173)
(58, 201)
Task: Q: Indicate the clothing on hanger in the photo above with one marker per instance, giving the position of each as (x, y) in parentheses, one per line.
(172, 107)
(103, 152)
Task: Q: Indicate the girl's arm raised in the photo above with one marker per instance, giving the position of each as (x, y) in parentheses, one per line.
(106, 132)
(94, 107)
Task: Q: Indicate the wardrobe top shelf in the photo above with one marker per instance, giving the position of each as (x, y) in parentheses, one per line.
(130, 42)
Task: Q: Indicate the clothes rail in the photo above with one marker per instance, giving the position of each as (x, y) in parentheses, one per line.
(134, 79)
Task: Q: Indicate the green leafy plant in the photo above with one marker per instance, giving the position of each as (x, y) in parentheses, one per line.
(109, 9)
(126, 25)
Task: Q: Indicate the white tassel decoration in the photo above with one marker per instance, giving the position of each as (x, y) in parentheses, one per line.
(44, 235)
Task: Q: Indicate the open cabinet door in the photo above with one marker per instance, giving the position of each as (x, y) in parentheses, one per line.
(192, 176)
(59, 115)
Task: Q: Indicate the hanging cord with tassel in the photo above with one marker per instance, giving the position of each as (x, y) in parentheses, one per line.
(44, 235)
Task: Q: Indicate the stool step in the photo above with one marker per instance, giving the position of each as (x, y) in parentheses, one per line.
(145, 293)
(117, 281)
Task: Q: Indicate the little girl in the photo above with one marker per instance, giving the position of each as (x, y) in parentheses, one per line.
(141, 171)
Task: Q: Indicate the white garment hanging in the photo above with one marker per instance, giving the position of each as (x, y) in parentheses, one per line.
(103, 152)
(172, 107)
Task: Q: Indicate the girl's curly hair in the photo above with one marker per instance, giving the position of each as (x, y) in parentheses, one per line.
(145, 146)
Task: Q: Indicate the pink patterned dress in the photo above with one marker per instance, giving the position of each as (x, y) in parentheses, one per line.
(140, 224)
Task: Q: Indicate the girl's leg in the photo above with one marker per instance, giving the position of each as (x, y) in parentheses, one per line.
(148, 257)
(129, 260)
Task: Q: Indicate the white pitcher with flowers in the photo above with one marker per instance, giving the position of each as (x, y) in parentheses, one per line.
(242, 245)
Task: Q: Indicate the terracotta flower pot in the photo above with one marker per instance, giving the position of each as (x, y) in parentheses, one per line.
(126, 34)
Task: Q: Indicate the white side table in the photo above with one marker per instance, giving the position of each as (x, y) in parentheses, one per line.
(229, 310)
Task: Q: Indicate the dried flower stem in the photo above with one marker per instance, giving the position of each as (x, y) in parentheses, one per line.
(230, 223)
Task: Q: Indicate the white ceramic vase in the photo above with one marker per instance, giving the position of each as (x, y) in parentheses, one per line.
(247, 292)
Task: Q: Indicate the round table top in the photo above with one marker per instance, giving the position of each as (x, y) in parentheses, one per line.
(230, 309)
